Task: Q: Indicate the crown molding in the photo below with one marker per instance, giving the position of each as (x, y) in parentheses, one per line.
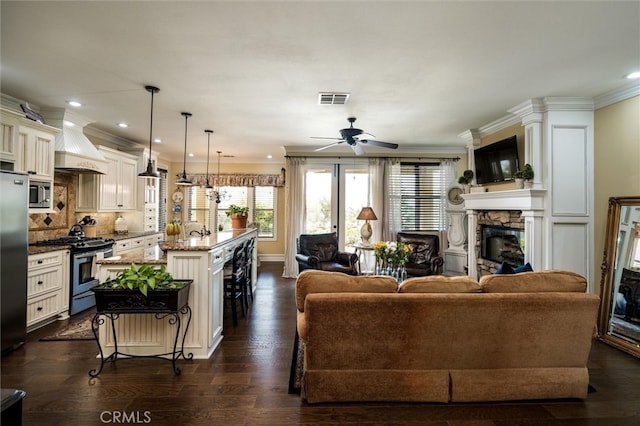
(617, 95)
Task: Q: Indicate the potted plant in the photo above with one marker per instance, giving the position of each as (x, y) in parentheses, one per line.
(142, 288)
(466, 179)
(517, 177)
(527, 175)
(238, 216)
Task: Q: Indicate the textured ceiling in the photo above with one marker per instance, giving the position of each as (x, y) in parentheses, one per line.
(419, 73)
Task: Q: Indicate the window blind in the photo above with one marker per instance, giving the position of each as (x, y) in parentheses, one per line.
(197, 206)
(422, 189)
(264, 210)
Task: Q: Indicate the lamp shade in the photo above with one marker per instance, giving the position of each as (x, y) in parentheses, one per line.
(367, 214)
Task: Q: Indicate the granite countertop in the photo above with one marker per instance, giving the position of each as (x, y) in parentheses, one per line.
(157, 258)
(128, 235)
(45, 249)
(205, 243)
(34, 249)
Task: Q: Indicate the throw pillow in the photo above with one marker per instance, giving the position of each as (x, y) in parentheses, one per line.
(505, 268)
(524, 268)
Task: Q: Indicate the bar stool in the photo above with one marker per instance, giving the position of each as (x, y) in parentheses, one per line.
(249, 246)
(234, 283)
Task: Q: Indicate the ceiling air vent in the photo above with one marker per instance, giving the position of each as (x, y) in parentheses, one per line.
(332, 98)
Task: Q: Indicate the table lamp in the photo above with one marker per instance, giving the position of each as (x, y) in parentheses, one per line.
(366, 214)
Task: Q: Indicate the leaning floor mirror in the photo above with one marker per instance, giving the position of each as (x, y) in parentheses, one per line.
(619, 319)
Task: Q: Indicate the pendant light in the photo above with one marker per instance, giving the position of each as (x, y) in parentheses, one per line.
(207, 184)
(150, 172)
(217, 194)
(182, 180)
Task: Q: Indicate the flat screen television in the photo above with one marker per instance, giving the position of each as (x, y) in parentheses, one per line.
(497, 162)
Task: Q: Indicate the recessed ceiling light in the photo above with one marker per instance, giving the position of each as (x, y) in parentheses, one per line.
(157, 140)
(74, 104)
(123, 125)
(634, 75)
(191, 154)
(269, 156)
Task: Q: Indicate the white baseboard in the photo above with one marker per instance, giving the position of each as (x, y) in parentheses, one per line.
(271, 257)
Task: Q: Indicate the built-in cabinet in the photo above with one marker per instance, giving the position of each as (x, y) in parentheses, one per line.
(47, 287)
(143, 245)
(116, 190)
(27, 146)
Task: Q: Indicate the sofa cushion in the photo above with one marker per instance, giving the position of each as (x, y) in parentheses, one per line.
(316, 281)
(533, 282)
(440, 284)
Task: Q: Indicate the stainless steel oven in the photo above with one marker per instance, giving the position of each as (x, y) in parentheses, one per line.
(83, 277)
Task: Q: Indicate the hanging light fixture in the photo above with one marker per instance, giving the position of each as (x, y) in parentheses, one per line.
(151, 172)
(207, 185)
(182, 180)
(217, 194)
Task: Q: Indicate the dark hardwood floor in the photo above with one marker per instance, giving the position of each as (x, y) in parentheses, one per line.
(246, 382)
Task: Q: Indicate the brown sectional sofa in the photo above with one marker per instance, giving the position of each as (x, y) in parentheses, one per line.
(445, 339)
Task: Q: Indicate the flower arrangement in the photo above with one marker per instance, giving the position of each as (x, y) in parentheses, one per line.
(392, 253)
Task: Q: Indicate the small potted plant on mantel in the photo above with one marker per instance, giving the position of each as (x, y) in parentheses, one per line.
(519, 180)
(238, 216)
(527, 175)
(142, 288)
(465, 180)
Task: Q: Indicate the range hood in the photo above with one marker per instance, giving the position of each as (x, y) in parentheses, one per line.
(74, 152)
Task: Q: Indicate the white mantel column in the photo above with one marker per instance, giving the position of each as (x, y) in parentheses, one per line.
(472, 257)
(534, 238)
(531, 113)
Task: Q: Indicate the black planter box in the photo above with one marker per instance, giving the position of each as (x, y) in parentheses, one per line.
(111, 300)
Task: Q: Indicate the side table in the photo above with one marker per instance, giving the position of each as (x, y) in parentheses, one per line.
(365, 255)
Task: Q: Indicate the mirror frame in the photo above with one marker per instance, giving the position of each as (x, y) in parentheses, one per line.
(608, 271)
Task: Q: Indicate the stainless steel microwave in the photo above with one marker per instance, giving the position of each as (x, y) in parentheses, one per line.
(39, 194)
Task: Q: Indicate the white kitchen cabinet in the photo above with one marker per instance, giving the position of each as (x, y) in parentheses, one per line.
(150, 243)
(38, 152)
(29, 147)
(116, 190)
(131, 246)
(47, 285)
(8, 138)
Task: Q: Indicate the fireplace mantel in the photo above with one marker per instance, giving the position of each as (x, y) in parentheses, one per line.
(516, 199)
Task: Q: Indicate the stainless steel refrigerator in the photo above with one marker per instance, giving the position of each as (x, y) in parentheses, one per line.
(14, 217)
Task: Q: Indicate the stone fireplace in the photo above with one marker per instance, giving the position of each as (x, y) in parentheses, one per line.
(499, 238)
(512, 224)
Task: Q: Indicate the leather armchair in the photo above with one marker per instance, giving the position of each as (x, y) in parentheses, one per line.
(320, 251)
(424, 260)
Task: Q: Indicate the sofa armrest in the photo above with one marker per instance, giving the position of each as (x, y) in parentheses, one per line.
(436, 263)
(312, 261)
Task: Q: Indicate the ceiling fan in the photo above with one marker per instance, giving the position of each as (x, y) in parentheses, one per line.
(353, 137)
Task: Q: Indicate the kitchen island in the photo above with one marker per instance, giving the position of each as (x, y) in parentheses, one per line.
(199, 259)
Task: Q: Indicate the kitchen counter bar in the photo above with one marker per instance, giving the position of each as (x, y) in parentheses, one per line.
(199, 259)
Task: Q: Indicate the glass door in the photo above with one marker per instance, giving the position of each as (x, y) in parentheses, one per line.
(336, 192)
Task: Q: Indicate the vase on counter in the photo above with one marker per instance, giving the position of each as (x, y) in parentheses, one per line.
(120, 226)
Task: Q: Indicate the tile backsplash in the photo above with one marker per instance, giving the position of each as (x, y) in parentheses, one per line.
(48, 226)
